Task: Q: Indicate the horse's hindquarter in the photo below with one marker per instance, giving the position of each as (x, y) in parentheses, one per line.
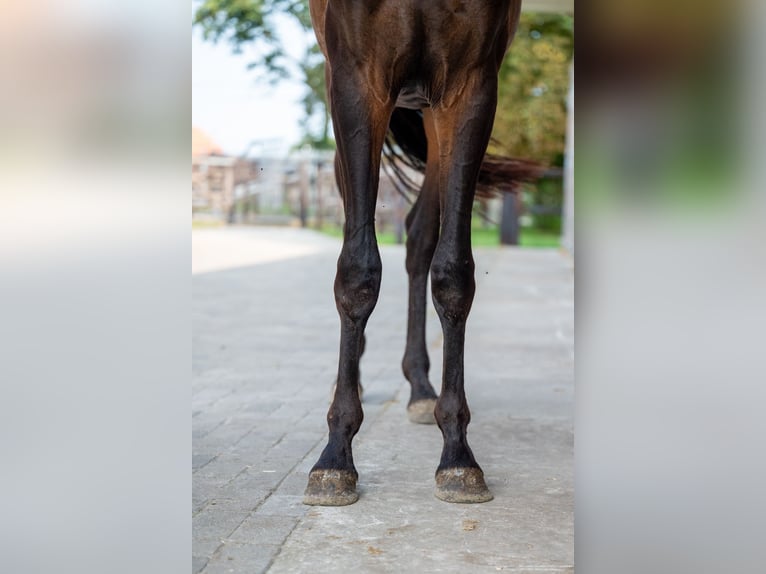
(415, 51)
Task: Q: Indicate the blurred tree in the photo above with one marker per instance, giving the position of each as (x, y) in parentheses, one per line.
(253, 23)
(532, 110)
(533, 86)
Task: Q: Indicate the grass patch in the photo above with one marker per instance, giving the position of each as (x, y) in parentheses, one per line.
(480, 236)
(206, 223)
(531, 237)
(334, 231)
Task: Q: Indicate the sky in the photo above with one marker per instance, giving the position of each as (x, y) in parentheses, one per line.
(234, 107)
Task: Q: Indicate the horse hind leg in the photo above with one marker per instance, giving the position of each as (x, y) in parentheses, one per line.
(422, 235)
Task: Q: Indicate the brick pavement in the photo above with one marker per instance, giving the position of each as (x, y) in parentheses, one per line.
(265, 335)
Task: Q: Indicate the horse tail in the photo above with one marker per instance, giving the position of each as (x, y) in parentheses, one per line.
(406, 150)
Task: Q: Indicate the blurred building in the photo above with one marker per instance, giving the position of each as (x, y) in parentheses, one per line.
(218, 179)
(310, 191)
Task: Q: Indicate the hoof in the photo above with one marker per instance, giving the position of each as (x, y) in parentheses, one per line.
(422, 411)
(462, 485)
(331, 488)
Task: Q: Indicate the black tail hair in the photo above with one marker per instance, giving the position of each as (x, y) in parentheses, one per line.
(406, 147)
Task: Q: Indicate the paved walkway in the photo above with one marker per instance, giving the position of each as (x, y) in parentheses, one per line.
(265, 334)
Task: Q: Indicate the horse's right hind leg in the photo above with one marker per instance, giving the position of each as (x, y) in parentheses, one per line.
(422, 236)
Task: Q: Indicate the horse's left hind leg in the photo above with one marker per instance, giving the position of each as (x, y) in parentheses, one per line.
(422, 235)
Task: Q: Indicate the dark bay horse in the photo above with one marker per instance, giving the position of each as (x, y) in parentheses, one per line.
(423, 72)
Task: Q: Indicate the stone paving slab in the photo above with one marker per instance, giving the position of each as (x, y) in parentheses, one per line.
(265, 353)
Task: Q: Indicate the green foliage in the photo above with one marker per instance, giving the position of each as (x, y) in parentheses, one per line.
(548, 196)
(245, 21)
(481, 236)
(252, 23)
(533, 86)
(532, 112)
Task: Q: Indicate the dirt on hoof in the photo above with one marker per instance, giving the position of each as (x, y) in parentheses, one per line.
(462, 485)
(331, 488)
(422, 411)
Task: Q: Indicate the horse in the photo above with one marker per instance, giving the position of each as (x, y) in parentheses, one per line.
(417, 80)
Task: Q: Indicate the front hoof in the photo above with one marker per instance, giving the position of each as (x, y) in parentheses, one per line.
(462, 485)
(331, 488)
(422, 411)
